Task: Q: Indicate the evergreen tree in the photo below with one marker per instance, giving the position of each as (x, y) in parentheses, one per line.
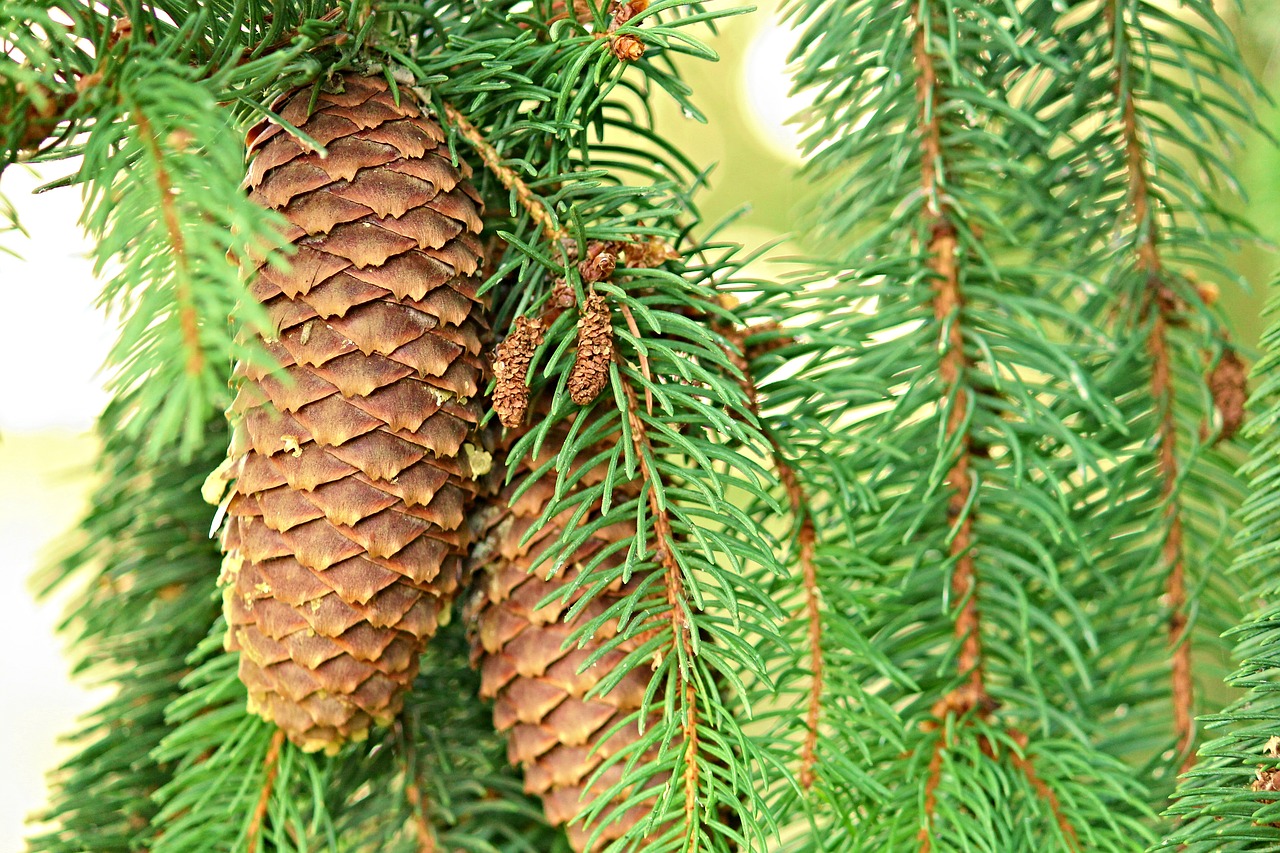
(931, 546)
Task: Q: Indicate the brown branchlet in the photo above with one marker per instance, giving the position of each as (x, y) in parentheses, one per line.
(511, 362)
(590, 372)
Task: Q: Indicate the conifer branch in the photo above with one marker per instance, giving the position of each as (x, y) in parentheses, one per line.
(526, 197)
(948, 307)
(806, 540)
(1024, 763)
(664, 549)
(1159, 306)
(187, 317)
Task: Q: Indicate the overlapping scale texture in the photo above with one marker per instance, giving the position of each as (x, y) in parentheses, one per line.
(539, 686)
(345, 533)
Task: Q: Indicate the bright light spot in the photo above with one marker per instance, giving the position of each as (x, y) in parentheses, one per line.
(768, 89)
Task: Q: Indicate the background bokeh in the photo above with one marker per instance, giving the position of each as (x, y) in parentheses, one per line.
(53, 340)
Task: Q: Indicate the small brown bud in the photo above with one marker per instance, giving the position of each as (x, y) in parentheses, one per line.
(180, 140)
(598, 266)
(650, 253)
(121, 30)
(626, 47)
(511, 362)
(590, 372)
(1228, 382)
(1208, 292)
(625, 10)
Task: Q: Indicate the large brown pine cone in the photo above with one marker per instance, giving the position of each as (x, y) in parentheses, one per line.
(558, 735)
(346, 531)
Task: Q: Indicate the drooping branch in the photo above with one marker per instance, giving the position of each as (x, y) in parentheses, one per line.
(806, 540)
(1044, 792)
(664, 549)
(1158, 307)
(948, 307)
(186, 307)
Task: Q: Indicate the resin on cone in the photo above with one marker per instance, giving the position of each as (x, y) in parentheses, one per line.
(353, 475)
(528, 666)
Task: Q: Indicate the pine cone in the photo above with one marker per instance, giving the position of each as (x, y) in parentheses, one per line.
(519, 648)
(346, 537)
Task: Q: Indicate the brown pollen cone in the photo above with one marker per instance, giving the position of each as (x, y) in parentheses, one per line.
(346, 533)
(511, 362)
(558, 735)
(590, 372)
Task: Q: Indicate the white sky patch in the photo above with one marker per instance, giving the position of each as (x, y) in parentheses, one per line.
(54, 339)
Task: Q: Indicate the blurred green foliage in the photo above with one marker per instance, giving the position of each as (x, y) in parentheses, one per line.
(751, 170)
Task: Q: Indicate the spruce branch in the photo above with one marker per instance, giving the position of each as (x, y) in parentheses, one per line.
(146, 563)
(164, 203)
(806, 543)
(665, 549)
(509, 178)
(1160, 305)
(932, 369)
(1226, 802)
(948, 308)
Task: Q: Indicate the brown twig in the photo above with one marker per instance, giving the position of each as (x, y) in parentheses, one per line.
(806, 538)
(665, 553)
(931, 783)
(271, 767)
(1023, 763)
(948, 303)
(1160, 306)
(642, 357)
(507, 176)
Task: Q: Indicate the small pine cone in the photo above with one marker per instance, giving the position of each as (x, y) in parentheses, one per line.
(511, 370)
(559, 736)
(346, 533)
(590, 372)
(1228, 382)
